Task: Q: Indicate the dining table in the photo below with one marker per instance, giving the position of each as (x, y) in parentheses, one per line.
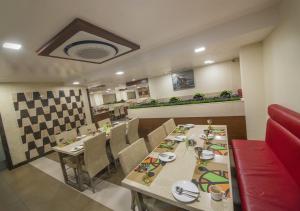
(154, 178)
(75, 151)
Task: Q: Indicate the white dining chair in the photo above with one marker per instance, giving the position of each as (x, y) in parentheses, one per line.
(95, 157)
(117, 141)
(156, 137)
(129, 158)
(169, 126)
(117, 112)
(87, 129)
(133, 130)
(104, 122)
(61, 139)
(122, 111)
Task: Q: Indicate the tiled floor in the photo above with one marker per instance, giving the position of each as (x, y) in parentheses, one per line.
(39, 186)
(29, 189)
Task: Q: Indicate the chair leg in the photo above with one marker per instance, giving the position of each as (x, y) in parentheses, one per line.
(108, 170)
(115, 164)
(92, 184)
(133, 201)
(76, 175)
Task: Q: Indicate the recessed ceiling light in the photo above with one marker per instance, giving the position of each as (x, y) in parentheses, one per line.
(201, 49)
(10, 45)
(119, 73)
(138, 87)
(108, 89)
(209, 62)
(76, 83)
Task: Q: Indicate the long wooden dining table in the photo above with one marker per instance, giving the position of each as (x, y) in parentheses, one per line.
(188, 167)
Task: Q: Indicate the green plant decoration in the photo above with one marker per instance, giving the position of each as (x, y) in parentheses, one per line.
(198, 96)
(152, 101)
(174, 100)
(226, 94)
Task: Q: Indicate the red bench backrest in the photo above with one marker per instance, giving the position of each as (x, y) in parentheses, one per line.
(283, 136)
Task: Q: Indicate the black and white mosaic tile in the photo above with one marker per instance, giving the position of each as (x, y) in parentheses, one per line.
(40, 115)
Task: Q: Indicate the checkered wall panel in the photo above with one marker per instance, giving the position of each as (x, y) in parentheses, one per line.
(40, 115)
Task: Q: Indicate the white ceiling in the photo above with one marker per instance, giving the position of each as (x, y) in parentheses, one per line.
(166, 30)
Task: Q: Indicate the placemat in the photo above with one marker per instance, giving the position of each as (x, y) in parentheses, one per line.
(208, 173)
(147, 171)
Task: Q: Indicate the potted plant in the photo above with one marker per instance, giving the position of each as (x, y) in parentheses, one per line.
(174, 100)
(152, 101)
(226, 94)
(198, 96)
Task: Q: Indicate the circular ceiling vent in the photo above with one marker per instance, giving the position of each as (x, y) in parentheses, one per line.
(91, 50)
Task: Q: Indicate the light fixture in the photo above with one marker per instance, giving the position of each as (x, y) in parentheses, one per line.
(209, 62)
(200, 49)
(108, 89)
(10, 45)
(76, 83)
(119, 73)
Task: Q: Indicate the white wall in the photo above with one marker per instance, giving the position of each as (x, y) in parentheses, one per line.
(281, 53)
(252, 77)
(9, 115)
(208, 79)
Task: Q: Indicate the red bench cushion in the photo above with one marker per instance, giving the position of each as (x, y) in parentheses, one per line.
(264, 182)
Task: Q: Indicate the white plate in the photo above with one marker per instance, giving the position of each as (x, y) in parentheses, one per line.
(77, 148)
(186, 185)
(211, 137)
(207, 155)
(179, 138)
(167, 156)
(189, 125)
(80, 137)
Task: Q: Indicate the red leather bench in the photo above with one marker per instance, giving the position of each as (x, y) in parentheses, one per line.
(268, 172)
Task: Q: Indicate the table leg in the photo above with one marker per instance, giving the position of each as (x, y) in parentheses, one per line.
(63, 167)
(139, 201)
(79, 173)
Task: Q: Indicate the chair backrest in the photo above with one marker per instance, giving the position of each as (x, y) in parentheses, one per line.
(117, 111)
(133, 130)
(283, 137)
(103, 122)
(156, 137)
(86, 129)
(169, 126)
(95, 157)
(132, 155)
(122, 110)
(65, 136)
(117, 139)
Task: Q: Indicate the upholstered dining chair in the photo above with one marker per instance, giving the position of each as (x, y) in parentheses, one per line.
(156, 137)
(133, 130)
(61, 139)
(103, 122)
(95, 157)
(122, 111)
(169, 126)
(129, 158)
(117, 141)
(86, 129)
(117, 112)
